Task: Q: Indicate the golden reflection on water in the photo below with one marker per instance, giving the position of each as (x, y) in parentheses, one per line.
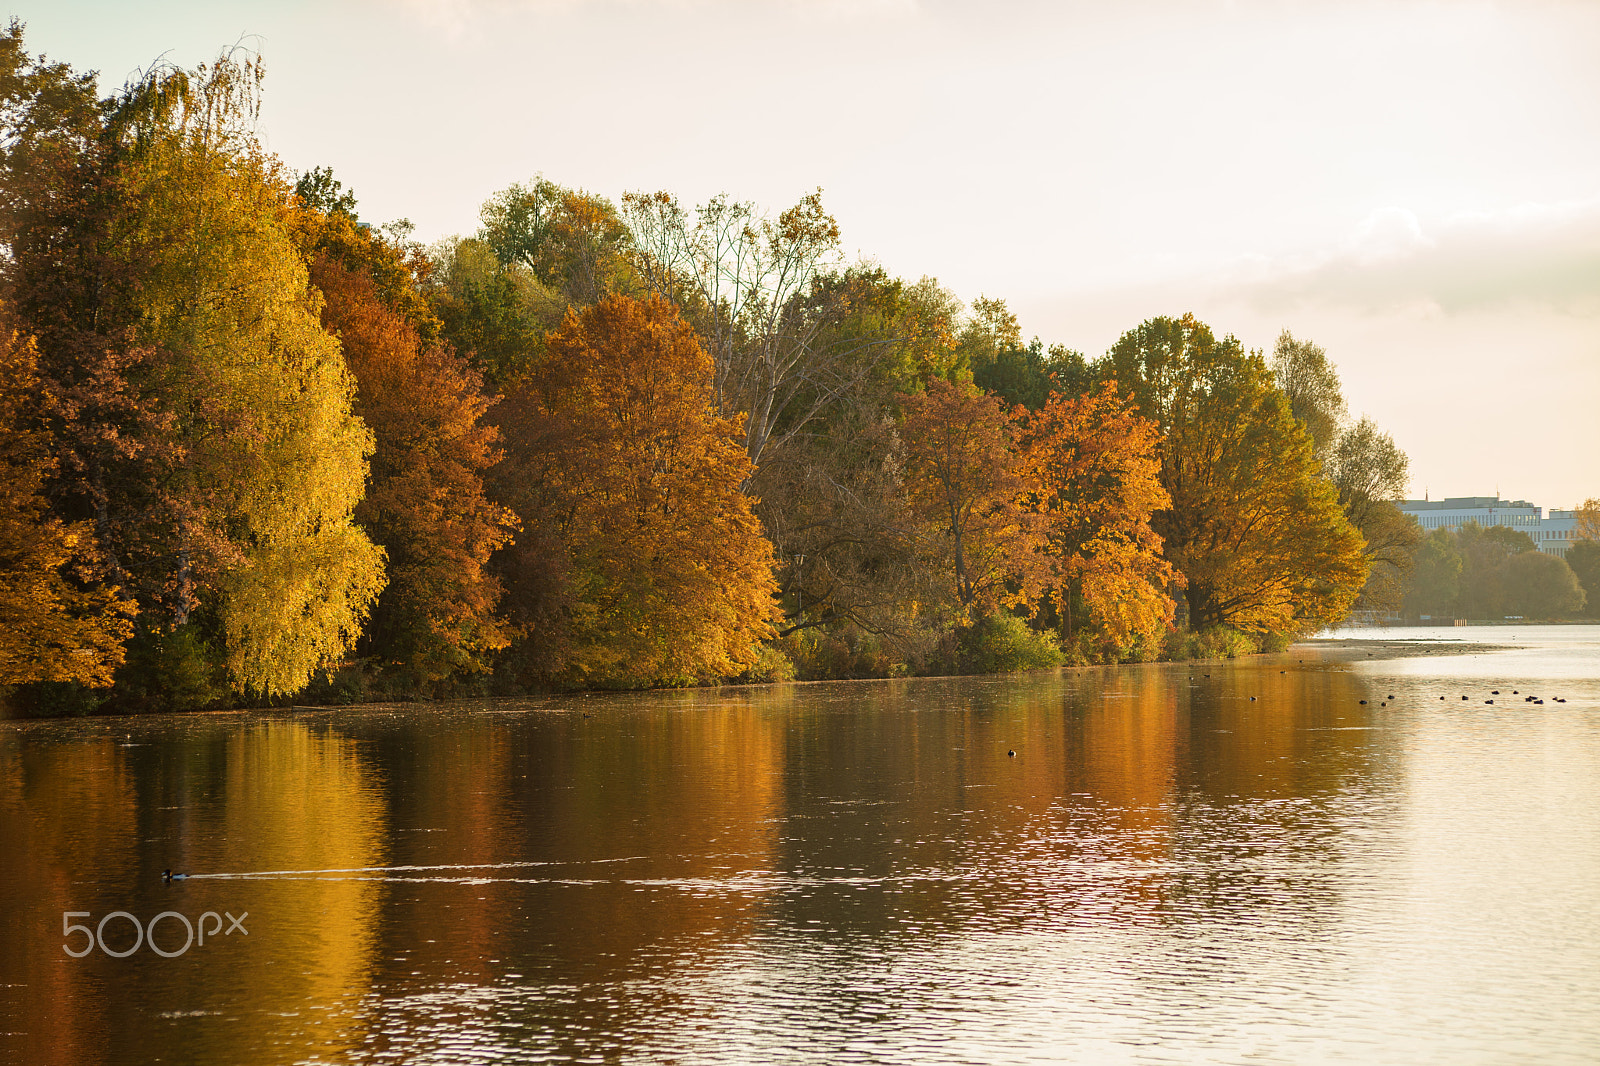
(651, 873)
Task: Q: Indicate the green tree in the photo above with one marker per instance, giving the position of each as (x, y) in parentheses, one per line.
(1256, 531)
(1584, 559)
(1372, 474)
(1435, 579)
(1311, 385)
(1541, 586)
(1485, 551)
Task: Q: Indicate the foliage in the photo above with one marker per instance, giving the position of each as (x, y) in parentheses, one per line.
(425, 502)
(966, 486)
(1256, 532)
(771, 666)
(767, 300)
(1311, 385)
(1002, 643)
(1541, 586)
(1588, 527)
(1214, 642)
(1435, 579)
(1097, 467)
(1371, 473)
(573, 242)
(51, 628)
(1584, 560)
(273, 459)
(671, 577)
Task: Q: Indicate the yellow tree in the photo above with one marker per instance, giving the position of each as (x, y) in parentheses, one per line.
(273, 460)
(1588, 527)
(966, 482)
(670, 575)
(1098, 469)
(50, 630)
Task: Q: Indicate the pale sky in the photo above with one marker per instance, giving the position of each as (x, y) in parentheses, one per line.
(1414, 186)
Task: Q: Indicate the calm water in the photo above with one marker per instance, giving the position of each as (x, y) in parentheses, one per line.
(1211, 862)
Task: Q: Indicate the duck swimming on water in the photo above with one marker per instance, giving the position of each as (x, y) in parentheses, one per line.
(168, 875)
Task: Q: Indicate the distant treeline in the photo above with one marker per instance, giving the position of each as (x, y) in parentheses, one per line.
(256, 450)
(1497, 572)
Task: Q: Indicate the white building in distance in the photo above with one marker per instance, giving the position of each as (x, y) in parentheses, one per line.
(1552, 534)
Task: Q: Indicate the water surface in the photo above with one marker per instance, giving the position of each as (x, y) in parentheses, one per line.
(1208, 862)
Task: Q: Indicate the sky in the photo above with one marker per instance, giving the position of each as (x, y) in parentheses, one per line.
(1415, 186)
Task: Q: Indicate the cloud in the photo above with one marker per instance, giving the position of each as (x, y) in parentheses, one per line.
(1542, 255)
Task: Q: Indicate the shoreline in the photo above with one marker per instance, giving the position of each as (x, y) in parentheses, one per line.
(1352, 648)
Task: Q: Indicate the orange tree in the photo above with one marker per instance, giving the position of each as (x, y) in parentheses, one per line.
(966, 482)
(1098, 470)
(425, 502)
(669, 577)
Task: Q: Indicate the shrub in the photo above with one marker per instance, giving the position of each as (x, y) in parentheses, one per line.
(1002, 643)
(771, 665)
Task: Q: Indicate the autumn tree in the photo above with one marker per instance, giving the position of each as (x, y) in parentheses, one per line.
(425, 503)
(1588, 525)
(670, 576)
(1256, 531)
(270, 459)
(51, 627)
(1098, 466)
(966, 483)
(68, 209)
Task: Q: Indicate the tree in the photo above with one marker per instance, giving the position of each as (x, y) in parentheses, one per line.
(1485, 551)
(1541, 586)
(1098, 470)
(68, 206)
(1435, 578)
(1588, 527)
(425, 503)
(495, 316)
(270, 459)
(1371, 474)
(573, 242)
(1311, 385)
(1257, 533)
(966, 484)
(1584, 559)
(765, 296)
(51, 628)
(834, 505)
(670, 575)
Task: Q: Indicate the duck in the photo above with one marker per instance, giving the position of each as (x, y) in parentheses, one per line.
(168, 875)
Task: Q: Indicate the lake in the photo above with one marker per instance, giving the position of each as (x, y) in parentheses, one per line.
(1326, 855)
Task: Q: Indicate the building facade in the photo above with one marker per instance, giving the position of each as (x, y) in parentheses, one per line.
(1552, 534)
